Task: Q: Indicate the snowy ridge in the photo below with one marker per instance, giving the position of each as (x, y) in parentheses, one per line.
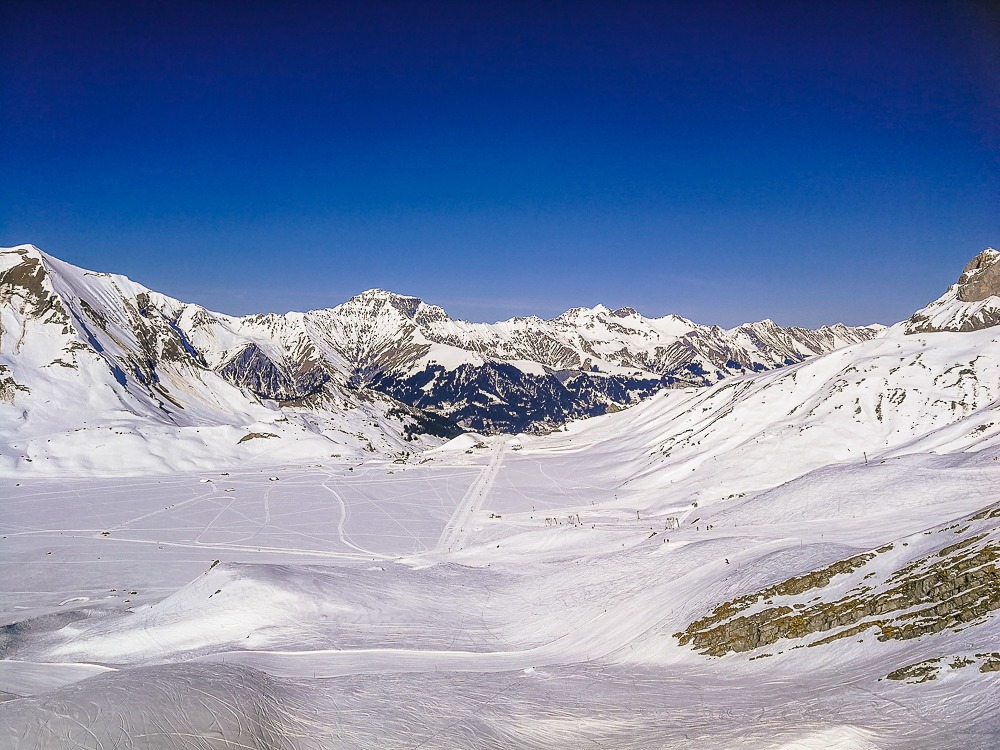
(369, 375)
(895, 395)
(584, 362)
(593, 339)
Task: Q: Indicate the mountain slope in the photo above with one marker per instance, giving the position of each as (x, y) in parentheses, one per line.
(903, 392)
(849, 501)
(370, 374)
(971, 304)
(167, 385)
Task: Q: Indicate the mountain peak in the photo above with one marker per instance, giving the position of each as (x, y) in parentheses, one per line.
(969, 305)
(372, 295)
(624, 312)
(412, 308)
(15, 256)
(24, 276)
(588, 312)
(981, 277)
(25, 249)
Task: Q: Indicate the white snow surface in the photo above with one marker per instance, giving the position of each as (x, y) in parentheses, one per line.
(476, 596)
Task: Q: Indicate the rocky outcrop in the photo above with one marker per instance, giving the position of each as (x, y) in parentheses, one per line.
(721, 631)
(981, 277)
(254, 370)
(929, 669)
(956, 585)
(24, 283)
(8, 386)
(922, 671)
(972, 304)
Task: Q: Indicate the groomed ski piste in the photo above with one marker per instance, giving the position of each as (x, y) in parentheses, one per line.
(805, 558)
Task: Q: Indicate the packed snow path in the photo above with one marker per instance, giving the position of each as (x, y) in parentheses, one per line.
(456, 533)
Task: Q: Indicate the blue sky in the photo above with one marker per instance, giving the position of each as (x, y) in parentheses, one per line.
(724, 161)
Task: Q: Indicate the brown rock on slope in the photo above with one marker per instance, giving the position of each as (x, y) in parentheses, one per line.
(981, 277)
(972, 304)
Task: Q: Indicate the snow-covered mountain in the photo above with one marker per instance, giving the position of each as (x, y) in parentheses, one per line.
(800, 558)
(907, 391)
(371, 374)
(166, 384)
(529, 374)
(971, 304)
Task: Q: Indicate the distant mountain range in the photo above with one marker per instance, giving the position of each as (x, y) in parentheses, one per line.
(529, 374)
(79, 348)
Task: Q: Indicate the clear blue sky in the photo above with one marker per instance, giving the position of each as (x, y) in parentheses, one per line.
(726, 161)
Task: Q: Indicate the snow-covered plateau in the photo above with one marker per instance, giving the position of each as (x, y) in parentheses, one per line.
(213, 540)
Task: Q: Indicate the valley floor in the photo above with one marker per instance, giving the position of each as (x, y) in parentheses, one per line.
(492, 598)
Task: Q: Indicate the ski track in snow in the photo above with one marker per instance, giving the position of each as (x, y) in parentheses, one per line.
(342, 521)
(458, 529)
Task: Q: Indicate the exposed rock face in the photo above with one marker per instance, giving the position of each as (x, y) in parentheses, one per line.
(970, 305)
(923, 671)
(958, 583)
(255, 371)
(992, 663)
(23, 283)
(929, 669)
(8, 386)
(981, 277)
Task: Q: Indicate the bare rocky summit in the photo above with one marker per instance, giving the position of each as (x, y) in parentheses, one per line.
(981, 277)
(971, 304)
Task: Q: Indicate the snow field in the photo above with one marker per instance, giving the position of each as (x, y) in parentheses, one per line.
(294, 598)
(527, 598)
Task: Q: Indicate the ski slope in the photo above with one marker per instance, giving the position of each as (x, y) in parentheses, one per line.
(804, 558)
(507, 642)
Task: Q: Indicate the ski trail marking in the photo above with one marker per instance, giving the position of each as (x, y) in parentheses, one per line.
(344, 515)
(457, 530)
(125, 524)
